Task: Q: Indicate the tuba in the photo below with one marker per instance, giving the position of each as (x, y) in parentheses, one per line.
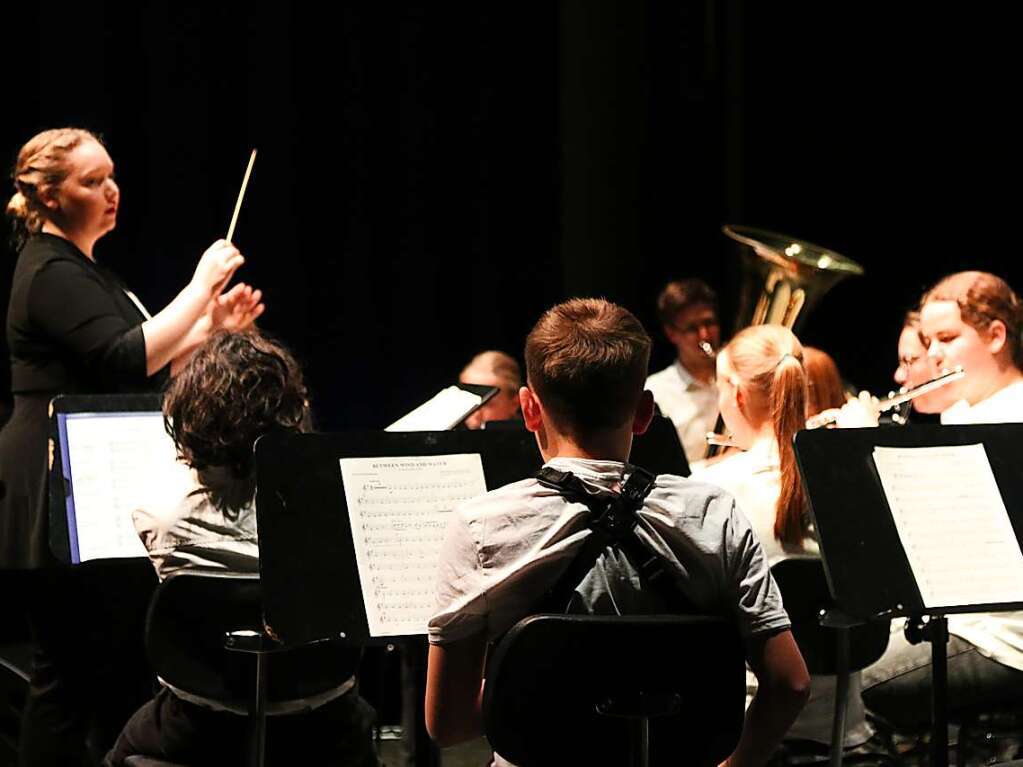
(783, 279)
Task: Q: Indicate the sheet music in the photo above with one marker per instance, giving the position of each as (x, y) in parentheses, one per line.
(443, 411)
(399, 509)
(953, 524)
(119, 462)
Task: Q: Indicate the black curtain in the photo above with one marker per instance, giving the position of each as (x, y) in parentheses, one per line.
(432, 176)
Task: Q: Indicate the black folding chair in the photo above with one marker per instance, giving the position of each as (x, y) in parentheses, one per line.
(200, 632)
(639, 690)
(832, 643)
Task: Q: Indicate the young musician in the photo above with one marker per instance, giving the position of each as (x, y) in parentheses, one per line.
(493, 368)
(685, 391)
(73, 328)
(973, 319)
(586, 360)
(763, 401)
(762, 389)
(235, 388)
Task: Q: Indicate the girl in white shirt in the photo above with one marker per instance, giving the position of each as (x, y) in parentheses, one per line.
(973, 319)
(762, 396)
(762, 388)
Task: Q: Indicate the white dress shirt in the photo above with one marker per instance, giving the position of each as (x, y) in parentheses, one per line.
(999, 636)
(691, 405)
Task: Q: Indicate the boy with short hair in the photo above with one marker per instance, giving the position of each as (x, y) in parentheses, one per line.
(586, 362)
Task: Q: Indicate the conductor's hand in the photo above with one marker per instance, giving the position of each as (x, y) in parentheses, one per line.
(237, 309)
(216, 268)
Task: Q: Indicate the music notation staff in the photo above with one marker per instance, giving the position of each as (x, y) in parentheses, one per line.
(398, 509)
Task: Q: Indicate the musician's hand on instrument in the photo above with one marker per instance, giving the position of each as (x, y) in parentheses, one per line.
(860, 412)
(216, 267)
(237, 309)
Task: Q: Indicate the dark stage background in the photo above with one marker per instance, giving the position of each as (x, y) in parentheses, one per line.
(432, 176)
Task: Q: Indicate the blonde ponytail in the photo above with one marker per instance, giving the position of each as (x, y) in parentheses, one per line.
(768, 361)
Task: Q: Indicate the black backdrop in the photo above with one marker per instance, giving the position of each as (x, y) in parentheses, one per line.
(431, 176)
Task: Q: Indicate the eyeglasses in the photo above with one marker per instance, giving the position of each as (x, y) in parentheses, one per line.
(908, 360)
(696, 327)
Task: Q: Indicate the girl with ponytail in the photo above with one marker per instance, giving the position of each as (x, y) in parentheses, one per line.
(762, 394)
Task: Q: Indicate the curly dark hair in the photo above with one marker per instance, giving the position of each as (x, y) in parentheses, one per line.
(236, 388)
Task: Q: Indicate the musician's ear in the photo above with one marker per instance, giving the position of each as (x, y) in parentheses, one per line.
(644, 413)
(740, 399)
(997, 336)
(530, 405)
(48, 197)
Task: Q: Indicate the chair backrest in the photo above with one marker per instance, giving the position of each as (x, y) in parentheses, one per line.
(549, 672)
(189, 617)
(804, 589)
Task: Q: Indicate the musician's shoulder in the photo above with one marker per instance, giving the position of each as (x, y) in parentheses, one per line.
(514, 493)
(689, 494)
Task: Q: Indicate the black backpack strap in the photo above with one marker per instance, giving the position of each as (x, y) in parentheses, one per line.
(613, 519)
(568, 485)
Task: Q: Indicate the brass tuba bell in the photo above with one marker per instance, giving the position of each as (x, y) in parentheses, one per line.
(784, 277)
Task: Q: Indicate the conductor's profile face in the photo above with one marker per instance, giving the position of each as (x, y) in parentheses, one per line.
(87, 199)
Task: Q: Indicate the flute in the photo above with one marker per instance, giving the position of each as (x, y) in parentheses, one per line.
(894, 399)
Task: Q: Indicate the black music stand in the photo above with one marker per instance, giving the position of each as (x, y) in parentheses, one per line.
(868, 572)
(486, 393)
(311, 584)
(448, 418)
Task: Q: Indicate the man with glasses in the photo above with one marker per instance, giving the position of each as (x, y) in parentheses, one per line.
(685, 390)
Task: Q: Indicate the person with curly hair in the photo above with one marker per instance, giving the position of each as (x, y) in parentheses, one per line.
(235, 388)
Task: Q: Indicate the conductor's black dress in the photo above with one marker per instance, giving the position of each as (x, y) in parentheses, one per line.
(71, 329)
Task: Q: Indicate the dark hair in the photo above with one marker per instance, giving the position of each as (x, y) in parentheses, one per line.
(587, 359)
(768, 360)
(681, 294)
(983, 298)
(41, 165)
(235, 388)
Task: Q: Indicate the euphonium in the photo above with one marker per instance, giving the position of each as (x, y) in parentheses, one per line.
(783, 278)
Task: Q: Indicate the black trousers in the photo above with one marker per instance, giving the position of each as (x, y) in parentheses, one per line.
(89, 670)
(338, 733)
